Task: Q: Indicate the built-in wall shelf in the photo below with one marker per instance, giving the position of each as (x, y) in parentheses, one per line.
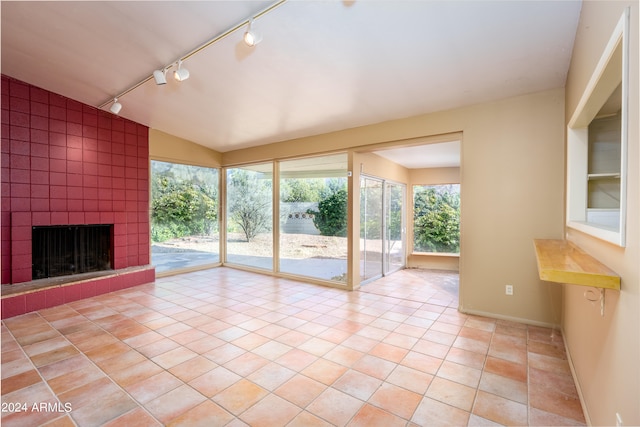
(561, 261)
(596, 176)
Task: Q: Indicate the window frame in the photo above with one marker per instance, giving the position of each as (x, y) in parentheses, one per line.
(284, 265)
(597, 91)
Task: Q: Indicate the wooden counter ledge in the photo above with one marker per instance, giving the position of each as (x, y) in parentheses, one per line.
(561, 261)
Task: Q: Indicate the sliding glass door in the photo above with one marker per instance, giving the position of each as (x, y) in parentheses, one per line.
(371, 228)
(381, 227)
(394, 202)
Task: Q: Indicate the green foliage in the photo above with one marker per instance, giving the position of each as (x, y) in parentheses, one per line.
(371, 211)
(163, 232)
(293, 190)
(394, 226)
(371, 219)
(394, 221)
(332, 186)
(331, 216)
(371, 228)
(249, 202)
(437, 219)
(183, 201)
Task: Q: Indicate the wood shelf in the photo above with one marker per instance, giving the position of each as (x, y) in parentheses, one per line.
(561, 261)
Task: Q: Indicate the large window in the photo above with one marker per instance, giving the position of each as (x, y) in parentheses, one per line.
(436, 218)
(184, 216)
(313, 217)
(250, 216)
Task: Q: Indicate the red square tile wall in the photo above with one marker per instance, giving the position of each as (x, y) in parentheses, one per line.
(13, 306)
(63, 163)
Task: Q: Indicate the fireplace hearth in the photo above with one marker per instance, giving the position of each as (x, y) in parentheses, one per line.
(71, 249)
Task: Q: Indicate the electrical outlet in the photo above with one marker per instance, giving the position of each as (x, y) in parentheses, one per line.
(618, 420)
(508, 289)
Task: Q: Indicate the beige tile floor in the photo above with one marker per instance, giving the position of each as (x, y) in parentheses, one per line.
(228, 347)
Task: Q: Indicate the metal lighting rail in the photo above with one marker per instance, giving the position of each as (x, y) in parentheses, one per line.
(198, 49)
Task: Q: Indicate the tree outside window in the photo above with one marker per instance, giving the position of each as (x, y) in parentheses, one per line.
(249, 205)
(436, 218)
(249, 199)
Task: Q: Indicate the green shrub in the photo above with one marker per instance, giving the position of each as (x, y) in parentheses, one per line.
(181, 207)
(331, 216)
(437, 220)
(167, 231)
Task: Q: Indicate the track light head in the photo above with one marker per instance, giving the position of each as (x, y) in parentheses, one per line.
(181, 74)
(116, 107)
(160, 76)
(251, 37)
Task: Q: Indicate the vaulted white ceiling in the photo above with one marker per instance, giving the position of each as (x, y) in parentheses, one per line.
(322, 65)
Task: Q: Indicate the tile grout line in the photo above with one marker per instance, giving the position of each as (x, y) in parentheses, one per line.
(139, 405)
(46, 383)
(330, 304)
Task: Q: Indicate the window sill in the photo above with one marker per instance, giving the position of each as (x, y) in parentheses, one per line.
(598, 231)
(437, 254)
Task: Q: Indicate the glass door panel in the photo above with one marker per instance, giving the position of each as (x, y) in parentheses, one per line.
(394, 227)
(371, 228)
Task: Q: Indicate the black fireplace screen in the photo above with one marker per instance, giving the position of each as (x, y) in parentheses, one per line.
(65, 250)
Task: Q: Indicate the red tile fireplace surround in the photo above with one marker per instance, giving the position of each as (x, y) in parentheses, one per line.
(66, 163)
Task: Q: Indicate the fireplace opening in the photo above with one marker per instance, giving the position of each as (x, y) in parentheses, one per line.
(71, 249)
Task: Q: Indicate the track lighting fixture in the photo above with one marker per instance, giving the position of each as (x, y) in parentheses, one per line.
(116, 107)
(181, 74)
(160, 76)
(251, 37)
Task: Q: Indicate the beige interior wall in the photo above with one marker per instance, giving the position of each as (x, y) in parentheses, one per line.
(605, 351)
(169, 148)
(434, 176)
(379, 167)
(512, 175)
(434, 261)
(512, 180)
(430, 176)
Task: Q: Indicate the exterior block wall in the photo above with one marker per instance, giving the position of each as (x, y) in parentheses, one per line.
(66, 163)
